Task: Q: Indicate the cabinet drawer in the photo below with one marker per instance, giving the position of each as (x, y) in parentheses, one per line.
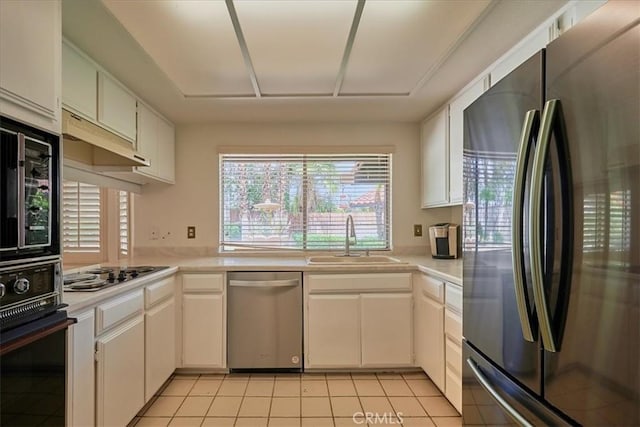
(117, 310)
(202, 282)
(453, 390)
(453, 326)
(454, 297)
(453, 356)
(319, 283)
(431, 287)
(157, 292)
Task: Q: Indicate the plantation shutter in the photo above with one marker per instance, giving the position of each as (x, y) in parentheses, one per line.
(123, 228)
(302, 201)
(81, 204)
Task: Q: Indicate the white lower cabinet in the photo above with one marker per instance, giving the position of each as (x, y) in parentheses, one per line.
(432, 320)
(203, 321)
(120, 374)
(453, 347)
(160, 344)
(334, 331)
(359, 321)
(81, 370)
(387, 329)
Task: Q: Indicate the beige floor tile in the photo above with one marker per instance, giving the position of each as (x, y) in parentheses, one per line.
(251, 422)
(348, 421)
(288, 377)
(260, 376)
(417, 422)
(389, 376)
(255, 407)
(217, 377)
(205, 387)
(218, 422)
(438, 407)
(285, 422)
(341, 388)
(364, 376)
(186, 422)
(309, 376)
(146, 406)
(376, 405)
(417, 375)
(317, 422)
(423, 388)
(232, 388)
(286, 388)
(345, 406)
(447, 421)
(314, 388)
(260, 387)
(194, 406)
(164, 406)
(368, 388)
(239, 377)
(186, 376)
(224, 406)
(339, 376)
(178, 387)
(285, 407)
(407, 406)
(153, 422)
(316, 407)
(396, 388)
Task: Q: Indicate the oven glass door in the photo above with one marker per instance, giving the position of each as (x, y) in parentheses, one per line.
(8, 190)
(35, 177)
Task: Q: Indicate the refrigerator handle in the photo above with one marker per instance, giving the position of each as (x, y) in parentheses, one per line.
(484, 382)
(529, 133)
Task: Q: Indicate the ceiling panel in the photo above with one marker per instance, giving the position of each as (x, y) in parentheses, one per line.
(398, 41)
(192, 41)
(296, 47)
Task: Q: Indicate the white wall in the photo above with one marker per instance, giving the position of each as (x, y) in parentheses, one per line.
(193, 200)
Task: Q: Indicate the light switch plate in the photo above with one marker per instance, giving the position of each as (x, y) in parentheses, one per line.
(191, 232)
(417, 230)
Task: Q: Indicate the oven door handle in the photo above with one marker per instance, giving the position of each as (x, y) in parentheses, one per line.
(21, 191)
(39, 334)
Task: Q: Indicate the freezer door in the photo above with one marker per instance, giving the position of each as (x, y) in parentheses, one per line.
(594, 72)
(493, 320)
(265, 320)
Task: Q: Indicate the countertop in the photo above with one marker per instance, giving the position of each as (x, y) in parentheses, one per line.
(449, 270)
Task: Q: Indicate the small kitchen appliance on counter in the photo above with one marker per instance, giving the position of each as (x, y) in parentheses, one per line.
(444, 239)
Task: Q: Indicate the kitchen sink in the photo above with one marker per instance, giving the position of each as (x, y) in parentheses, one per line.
(365, 259)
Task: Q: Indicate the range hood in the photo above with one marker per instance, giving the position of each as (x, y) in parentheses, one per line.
(89, 144)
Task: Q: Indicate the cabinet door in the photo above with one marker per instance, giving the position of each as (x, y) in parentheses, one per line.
(387, 329)
(160, 346)
(334, 331)
(435, 159)
(432, 324)
(120, 374)
(30, 34)
(166, 151)
(80, 371)
(147, 141)
(116, 107)
(203, 330)
(79, 84)
(456, 136)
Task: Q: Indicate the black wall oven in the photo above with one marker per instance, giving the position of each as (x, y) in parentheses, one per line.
(29, 193)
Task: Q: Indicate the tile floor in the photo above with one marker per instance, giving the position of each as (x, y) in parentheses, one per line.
(301, 400)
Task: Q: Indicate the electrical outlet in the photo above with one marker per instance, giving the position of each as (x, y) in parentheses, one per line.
(191, 232)
(417, 230)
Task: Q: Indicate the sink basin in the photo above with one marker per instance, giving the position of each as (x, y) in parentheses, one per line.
(369, 259)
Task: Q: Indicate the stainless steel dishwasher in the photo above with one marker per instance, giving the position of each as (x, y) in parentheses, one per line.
(264, 320)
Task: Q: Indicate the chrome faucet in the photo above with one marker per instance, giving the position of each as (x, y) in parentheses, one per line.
(349, 232)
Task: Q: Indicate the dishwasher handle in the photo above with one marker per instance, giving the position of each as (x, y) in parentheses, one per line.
(264, 283)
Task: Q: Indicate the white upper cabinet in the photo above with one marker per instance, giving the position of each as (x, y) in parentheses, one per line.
(527, 48)
(434, 141)
(116, 107)
(166, 151)
(456, 136)
(156, 141)
(30, 38)
(79, 83)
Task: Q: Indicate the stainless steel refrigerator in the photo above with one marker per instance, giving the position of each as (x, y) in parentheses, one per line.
(551, 237)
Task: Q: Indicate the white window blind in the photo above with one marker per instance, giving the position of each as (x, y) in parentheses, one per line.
(607, 221)
(123, 226)
(488, 183)
(302, 201)
(81, 217)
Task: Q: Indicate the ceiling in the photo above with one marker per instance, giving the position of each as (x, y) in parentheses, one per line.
(307, 60)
